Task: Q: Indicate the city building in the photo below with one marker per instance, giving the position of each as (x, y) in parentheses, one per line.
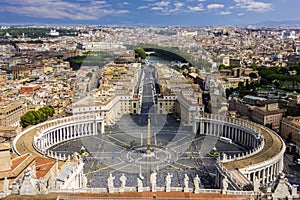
(290, 127)
(259, 110)
(10, 113)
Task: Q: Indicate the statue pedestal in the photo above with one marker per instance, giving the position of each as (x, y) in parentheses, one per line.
(168, 189)
(110, 190)
(121, 190)
(196, 191)
(224, 191)
(153, 189)
(140, 189)
(186, 189)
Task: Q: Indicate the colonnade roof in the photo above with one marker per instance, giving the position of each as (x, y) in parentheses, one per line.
(24, 144)
(272, 147)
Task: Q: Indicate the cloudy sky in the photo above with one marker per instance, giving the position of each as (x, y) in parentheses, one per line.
(147, 12)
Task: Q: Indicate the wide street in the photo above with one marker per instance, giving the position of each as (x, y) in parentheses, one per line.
(122, 148)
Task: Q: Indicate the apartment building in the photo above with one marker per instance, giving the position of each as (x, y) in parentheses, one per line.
(10, 113)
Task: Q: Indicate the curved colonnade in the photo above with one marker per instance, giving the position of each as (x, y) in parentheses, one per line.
(56, 131)
(263, 160)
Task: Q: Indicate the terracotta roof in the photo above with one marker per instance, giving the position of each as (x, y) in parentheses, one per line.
(43, 165)
(19, 164)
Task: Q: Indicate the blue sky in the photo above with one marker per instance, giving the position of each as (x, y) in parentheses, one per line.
(147, 12)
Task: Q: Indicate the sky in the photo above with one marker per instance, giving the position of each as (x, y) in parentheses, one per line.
(147, 12)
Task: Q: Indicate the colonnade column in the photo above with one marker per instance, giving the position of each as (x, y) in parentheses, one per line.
(201, 124)
(263, 176)
(281, 165)
(195, 123)
(102, 128)
(267, 174)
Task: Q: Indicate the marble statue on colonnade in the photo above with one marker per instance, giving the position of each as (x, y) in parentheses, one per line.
(123, 180)
(196, 183)
(186, 183)
(139, 184)
(224, 184)
(153, 181)
(168, 181)
(110, 183)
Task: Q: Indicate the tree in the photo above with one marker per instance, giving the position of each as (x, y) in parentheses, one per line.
(247, 85)
(241, 85)
(253, 75)
(35, 117)
(254, 66)
(140, 53)
(222, 66)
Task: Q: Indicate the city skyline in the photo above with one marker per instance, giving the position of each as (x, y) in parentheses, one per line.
(147, 12)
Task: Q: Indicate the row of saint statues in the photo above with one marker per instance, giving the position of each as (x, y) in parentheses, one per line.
(153, 181)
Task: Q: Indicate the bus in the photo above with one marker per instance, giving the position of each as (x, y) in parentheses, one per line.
(225, 140)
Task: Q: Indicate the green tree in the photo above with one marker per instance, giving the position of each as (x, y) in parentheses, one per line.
(140, 53)
(222, 66)
(34, 117)
(253, 75)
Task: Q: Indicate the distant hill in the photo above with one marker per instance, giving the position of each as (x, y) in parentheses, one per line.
(279, 23)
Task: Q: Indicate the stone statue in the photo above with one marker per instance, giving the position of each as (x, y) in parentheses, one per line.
(139, 184)
(123, 180)
(186, 183)
(84, 181)
(28, 187)
(224, 183)
(42, 187)
(196, 183)
(110, 183)
(15, 188)
(168, 181)
(153, 181)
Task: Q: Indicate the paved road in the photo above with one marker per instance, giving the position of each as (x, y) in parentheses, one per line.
(292, 170)
(148, 89)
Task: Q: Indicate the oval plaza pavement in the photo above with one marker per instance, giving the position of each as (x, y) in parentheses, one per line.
(262, 159)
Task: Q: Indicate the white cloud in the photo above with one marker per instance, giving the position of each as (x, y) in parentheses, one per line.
(157, 8)
(215, 6)
(241, 14)
(178, 5)
(98, 2)
(225, 13)
(252, 5)
(196, 8)
(162, 3)
(60, 9)
(142, 7)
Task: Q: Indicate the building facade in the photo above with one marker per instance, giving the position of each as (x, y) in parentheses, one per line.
(10, 113)
(291, 126)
